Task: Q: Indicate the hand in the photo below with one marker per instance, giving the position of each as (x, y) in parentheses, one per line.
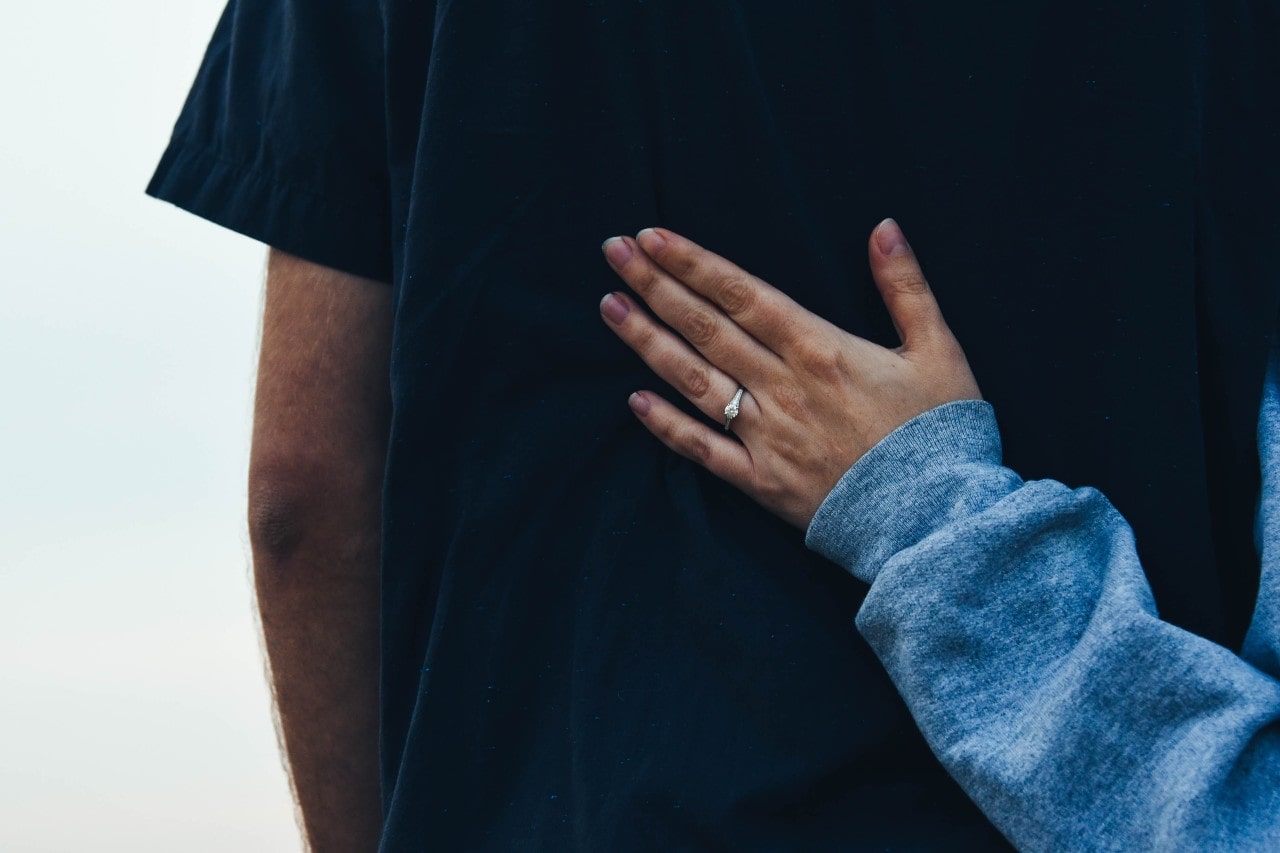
(817, 398)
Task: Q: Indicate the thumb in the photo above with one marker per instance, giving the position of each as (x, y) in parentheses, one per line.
(905, 292)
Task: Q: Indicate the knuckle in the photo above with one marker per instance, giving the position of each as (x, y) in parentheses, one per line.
(736, 295)
(700, 327)
(697, 381)
(642, 337)
(644, 280)
(665, 428)
(820, 359)
(909, 282)
(697, 447)
(677, 258)
(790, 402)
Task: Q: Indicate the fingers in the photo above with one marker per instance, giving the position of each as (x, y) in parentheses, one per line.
(709, 447)
(765, 312)
(701, 382)
(702, 324)
(902, 285)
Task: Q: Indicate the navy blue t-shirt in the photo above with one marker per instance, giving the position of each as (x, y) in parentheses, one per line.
(590, 643)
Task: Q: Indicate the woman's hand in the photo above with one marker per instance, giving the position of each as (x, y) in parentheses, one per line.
(817, 398)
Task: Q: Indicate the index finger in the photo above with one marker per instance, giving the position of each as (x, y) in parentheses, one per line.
(766, 313)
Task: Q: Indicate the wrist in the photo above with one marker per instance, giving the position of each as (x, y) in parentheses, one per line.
(937, 467)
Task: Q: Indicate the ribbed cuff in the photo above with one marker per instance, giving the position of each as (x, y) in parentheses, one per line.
(926, 473)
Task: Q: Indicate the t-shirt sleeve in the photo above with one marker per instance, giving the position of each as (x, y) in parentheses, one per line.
(283, 137)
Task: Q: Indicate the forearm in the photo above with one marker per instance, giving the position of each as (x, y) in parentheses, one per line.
(316, 468)
(319, 610)
(1019, 628)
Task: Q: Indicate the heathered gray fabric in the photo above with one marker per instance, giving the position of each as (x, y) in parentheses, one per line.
(1016, 622)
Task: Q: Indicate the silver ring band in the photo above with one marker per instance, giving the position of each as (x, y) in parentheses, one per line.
(731, 410)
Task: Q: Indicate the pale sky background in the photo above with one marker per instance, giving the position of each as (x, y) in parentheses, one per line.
(134, 713)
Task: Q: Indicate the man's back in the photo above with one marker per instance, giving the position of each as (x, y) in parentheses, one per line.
(587, 642)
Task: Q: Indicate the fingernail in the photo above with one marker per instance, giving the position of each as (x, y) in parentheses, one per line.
(614, 309)
(639, 404)
(890, 239)
(616, 251)
(650, 240)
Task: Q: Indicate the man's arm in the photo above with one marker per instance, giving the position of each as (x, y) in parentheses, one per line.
(315, 476)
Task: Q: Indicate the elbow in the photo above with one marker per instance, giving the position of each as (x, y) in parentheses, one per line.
(312, 515)
(285, 509)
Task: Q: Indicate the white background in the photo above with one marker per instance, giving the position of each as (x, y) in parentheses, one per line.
(134, 712)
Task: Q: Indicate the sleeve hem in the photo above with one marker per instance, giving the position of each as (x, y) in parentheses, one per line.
(904, 487)
(352, 238)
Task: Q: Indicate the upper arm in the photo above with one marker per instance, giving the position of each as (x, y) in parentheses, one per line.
(322, 406)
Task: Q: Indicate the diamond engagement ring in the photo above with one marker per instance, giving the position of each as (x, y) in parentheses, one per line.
(731, 410)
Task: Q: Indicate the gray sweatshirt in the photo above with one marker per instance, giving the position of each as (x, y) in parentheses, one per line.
(1017, 624)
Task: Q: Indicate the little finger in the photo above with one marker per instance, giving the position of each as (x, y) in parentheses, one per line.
(709, 447)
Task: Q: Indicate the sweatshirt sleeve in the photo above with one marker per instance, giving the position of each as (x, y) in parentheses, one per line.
(1016, 621)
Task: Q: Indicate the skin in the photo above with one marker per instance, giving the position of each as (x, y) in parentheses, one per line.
(817, 398)
(321, 416)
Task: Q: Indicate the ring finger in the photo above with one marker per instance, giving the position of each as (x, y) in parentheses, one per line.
(702, 383)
